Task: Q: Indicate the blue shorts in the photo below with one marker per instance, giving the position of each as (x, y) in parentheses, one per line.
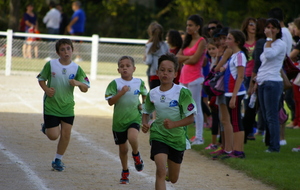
(121, 137)
(173, 154)
(51, 121)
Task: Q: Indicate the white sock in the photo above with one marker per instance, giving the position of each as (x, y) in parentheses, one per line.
(58, 156)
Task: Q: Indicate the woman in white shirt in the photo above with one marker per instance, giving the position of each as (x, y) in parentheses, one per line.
(270, 82)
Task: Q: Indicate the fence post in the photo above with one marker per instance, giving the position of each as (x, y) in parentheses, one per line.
(94, 57)
(9, 39)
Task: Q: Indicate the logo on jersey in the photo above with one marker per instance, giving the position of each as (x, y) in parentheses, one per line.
(173, 103)
(53, 74)
(64, 71)
(136, 92)
(162, 98)
(71, 76)
(190, 107)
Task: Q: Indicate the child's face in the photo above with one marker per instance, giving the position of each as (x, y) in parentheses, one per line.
(212, 50)
(166, 72)
(65, 52)
(126, 68)
(222, 39)
(230, 41)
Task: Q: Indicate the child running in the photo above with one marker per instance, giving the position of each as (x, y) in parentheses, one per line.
(124, 93)
(175, 110)
(58, 79)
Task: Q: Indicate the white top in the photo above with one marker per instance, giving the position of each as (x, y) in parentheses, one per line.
(288, 39)
(52, 18)
(272, 60)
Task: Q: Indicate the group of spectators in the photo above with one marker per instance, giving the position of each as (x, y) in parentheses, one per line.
(203, 48)
(56, 21)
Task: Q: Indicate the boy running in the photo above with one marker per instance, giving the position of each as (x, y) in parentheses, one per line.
(58, 79)
(124, 93)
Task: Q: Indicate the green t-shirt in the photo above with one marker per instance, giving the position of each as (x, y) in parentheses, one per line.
(174, 104)
(58, 77)
(126, 110)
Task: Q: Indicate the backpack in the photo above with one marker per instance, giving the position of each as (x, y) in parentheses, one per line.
(213, 83)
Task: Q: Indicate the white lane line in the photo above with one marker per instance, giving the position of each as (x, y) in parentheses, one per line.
(112, 156)
(30, 174)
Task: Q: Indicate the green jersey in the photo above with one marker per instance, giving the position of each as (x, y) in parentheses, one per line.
(58, 77)
(126, 110)
(174, 104)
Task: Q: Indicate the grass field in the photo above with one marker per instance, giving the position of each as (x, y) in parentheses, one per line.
(280, 170)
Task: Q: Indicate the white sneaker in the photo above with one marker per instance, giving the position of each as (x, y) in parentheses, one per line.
(282, 142)
(296, 149)
(198, 142)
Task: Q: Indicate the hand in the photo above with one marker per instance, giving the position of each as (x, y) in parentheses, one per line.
(168, 124)
(232, 102)
(145, 128)
(50, 92)
(125, 89)
(268, 33)
(74, 82)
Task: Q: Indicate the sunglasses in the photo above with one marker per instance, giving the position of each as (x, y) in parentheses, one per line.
(211, 28)
(251, 24)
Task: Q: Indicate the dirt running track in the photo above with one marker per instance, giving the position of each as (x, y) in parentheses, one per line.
(92, 158)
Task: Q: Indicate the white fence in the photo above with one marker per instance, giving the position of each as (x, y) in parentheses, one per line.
(94, 52)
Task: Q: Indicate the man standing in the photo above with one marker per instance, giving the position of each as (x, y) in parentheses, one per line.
(52, 19)
(76, 25)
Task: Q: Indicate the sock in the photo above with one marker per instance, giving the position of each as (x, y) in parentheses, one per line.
(136, 154)
(228, 152)
(126, 171)
(58, 156)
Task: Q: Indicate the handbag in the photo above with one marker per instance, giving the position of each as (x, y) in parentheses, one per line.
(209, 87)
(217, 82)
(290, 69)
(297, 80)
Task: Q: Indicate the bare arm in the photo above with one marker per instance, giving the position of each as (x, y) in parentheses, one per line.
(48, 91)
(145, 120)
(293, 54)
(83, 87)
(237, 85)
(199, 52)
(168, 124)
(73, 21)
(227, 54)
(115, 98)
(181, 58)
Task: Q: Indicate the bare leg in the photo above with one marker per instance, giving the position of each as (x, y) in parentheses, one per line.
(228, 131)
(65, 136)
(133, 139)
(238, 144)
(160, 162)
(173, 171)
(123, 150)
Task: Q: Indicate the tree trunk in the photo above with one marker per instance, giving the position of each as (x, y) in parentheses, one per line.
(14, 15)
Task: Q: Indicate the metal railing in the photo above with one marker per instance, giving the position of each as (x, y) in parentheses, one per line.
(21, 52)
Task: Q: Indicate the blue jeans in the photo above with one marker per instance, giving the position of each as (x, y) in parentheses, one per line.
(269, 94)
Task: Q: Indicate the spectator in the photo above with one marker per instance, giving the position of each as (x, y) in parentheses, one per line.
(52, 19)
(64, 20)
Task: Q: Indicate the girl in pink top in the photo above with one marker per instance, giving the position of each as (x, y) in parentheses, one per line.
(191, 55)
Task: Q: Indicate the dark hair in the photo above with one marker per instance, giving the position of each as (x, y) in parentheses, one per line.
(126, 57)
(63, 41)
(240, 39)
(52, 4)
(170, 57)
(260, 28)
(174, 38)
(198, 20)
(155, 31)
(245, 25)
(205, 32)
(276, 13)
(276, 24)
(214, 21)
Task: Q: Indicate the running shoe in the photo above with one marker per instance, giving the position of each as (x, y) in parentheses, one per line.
(234, 154)
(138, 162)
(296, 149)
(219, 154)
(192, 139)
(124, 179)
(217, 151)
(197, 142)
(211, 147)
(58, 165)
(43, 128)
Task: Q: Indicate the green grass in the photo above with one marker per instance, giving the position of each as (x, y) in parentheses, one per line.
(280, 170)
(36, 65)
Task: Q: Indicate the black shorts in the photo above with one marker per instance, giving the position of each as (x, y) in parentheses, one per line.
(51, 121)
(121, 137)
(173, 154)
